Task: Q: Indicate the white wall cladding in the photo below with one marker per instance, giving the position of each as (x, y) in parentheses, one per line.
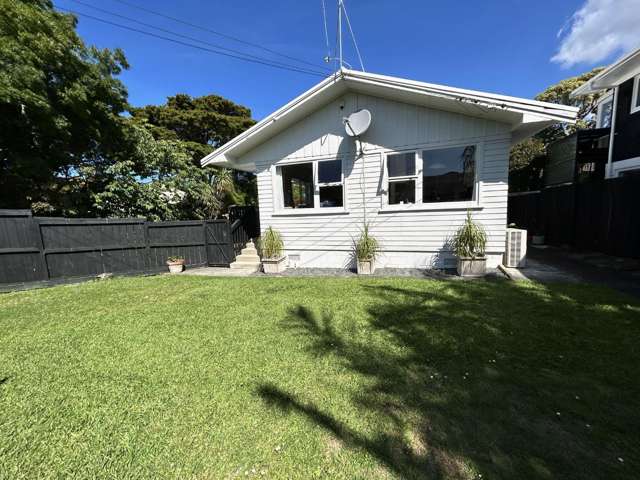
(408, 239)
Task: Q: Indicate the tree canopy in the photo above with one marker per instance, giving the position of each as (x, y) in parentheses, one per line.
(68, 147)
(60, 102)
(202, 123)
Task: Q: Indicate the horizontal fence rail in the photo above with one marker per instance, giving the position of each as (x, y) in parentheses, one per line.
(43, 249)
(595, 215)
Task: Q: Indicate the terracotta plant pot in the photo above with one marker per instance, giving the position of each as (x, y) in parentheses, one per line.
(366, 267)
(472, 267)
(176, 266)
(274, 265)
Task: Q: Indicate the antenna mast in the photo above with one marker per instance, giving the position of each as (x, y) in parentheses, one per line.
(340, 7)
(340, 54)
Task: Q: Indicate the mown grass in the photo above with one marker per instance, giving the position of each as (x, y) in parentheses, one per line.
(193, 377)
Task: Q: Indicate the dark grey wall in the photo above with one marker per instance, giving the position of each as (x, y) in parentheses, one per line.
(627, 129)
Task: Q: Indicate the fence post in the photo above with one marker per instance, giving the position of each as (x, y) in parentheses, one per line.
(147, 243)
(37, 235)
(206, 241)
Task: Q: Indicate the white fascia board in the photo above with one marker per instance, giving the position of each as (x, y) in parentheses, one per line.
(612, 76)
(492, 101)
(225, 150)
(304, 104)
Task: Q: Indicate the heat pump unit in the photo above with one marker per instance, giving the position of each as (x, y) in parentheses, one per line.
(516, 249)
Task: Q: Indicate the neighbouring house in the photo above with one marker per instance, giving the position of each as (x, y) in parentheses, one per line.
(619, 110)
(431, 154)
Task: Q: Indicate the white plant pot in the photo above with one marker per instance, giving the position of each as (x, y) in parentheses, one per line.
(274, 265)
(366, 267)
(175, 267)
(472, 267)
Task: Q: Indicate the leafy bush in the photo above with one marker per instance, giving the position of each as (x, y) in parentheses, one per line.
(175, 259)
(271, 244)
(366, 247)
(470, 240)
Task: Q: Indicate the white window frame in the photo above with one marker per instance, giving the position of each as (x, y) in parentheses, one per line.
(472, 204)
(278, 189)
(416, 177)
(605, 99)
(635, 107)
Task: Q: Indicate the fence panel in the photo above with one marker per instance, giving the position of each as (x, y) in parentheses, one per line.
(79, 247)
(177, 239)
(20, 256)
(622, 227)
(558, 214)
(41, 249)
(219, 242)
(526, 212)
(598, 215)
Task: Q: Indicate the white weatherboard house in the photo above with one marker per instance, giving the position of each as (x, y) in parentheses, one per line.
(431, 154)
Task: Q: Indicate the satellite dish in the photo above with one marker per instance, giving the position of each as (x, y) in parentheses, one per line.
(357, 123)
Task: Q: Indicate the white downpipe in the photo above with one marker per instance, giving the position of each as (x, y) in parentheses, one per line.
(612, 133)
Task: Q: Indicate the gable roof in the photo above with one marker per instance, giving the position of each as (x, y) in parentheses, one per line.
(525, 116)
(612, 76)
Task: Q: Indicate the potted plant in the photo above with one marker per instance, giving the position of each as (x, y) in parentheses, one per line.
(469, 244)
(366, 251)
(176, 264)
(271, 246)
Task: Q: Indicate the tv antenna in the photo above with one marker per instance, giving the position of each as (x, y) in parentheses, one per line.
(342, 10)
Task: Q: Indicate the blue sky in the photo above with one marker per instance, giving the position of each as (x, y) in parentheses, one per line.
(502, 46)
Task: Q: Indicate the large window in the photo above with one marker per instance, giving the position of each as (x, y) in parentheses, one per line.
(431, 176)
(401, 170)
(312, 184)
(448, 175)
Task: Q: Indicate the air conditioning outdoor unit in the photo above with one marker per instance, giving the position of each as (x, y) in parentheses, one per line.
(516, 249)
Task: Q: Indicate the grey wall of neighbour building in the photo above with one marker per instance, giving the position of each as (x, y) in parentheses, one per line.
(627, 125)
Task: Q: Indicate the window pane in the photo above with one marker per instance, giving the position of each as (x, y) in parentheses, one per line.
(401, 164)
(331, 196)
(330, 172)
(297, 185)
(605, 114)
(402, 192)
(448, 174)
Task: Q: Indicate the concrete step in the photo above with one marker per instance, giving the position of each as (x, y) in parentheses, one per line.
(243, 264)
(248, 258)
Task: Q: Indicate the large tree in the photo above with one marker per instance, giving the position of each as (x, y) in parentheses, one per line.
(157, 180)
(60, 107)
(202, 124)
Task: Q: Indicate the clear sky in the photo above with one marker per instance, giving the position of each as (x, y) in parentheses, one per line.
(502, 46)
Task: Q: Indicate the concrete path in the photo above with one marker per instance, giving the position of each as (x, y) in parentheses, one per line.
(551, 264)
(220, 272)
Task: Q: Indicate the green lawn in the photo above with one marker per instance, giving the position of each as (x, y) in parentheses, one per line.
(195, 377)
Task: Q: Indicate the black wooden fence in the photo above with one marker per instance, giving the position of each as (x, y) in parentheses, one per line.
(596, 215)
(39, 249)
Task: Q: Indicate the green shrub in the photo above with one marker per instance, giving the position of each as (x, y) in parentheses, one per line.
(366, 247)
(271, 244)
(470, 240)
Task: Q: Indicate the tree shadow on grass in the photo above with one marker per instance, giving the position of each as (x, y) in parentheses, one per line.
(484, 378)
